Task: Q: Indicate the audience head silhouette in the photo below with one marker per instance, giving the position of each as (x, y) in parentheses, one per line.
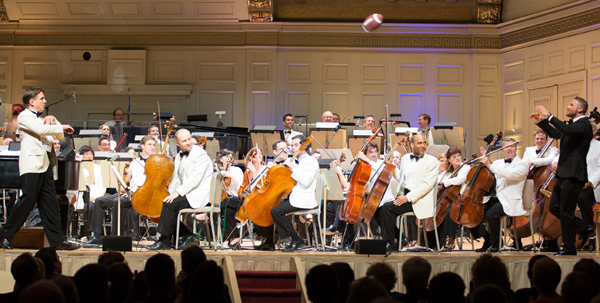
(322, 284)
(92, 283)
(447, 287)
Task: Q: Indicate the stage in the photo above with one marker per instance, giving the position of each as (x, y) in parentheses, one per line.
(247, 259)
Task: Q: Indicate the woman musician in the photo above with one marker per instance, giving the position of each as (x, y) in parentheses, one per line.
(232, 179)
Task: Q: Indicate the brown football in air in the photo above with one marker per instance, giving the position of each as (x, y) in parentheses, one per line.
(372, 22)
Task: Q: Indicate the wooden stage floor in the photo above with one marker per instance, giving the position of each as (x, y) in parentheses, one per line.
(456, 261)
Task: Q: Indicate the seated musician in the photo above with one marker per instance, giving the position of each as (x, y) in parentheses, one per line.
(369, 122)
(395, 159)
(316, 154)
(443, 167)
(104, 144)
(424, 121)
(189, 188)
(327, 116)
(154, 131)
(136, 179)
(278, 147)
(288, 125)
(95, 190)
(372, 157)
(305, 174)
(590, 193)
(510, 174)
(336, 118)
(107, 132)
(417, 182)
(532, 156)
(230, 205)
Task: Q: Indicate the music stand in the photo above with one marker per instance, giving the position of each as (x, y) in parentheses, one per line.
(452, 136)
(264, 139)
(325, 135)
(336, 153)
(358, 138)
(332, 190)
(122, 184)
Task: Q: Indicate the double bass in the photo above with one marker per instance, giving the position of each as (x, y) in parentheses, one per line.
(468, 210)
(278, 183)
(379, 188)
(356, 192)
(543, 221)
(148, 199)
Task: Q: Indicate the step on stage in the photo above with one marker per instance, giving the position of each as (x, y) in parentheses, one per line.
(456, 261)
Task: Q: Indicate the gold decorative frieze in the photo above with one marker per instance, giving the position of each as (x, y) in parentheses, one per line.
(489, 11)
(551, 28)
(3, 13)
(197, 39)
(260, 10)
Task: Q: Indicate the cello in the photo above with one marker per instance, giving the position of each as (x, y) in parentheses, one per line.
(469, 212)
(543, 221)
(257, 206)
(356, 192)
(379, 188)
(148, 199)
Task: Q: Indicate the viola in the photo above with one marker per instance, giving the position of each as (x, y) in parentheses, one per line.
(469, 209)
(148, 199)
(359, 177)
(278, 183)
(379, 188)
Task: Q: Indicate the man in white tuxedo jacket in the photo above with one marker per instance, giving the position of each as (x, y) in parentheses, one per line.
(532, 156)
(302, 197)
(417, 189)
(288, 131)
(510, 173)
(36, 160)
(189, 188)
(424, 129)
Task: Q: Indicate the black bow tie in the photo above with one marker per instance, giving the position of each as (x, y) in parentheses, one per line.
(287, 132)
(181, 154)
(416, 158)
(508, 160)
(538, 151)
(36, 113)
(297, 161)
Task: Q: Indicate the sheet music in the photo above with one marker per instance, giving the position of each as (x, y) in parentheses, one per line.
(119, 177)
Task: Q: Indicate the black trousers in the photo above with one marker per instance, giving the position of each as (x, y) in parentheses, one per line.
(493, 212)
(129, 217)
(283, 223)
(229, 208)
(37, 188)
(168, 219)
(586, 203)
(562, 204)
(389, 213)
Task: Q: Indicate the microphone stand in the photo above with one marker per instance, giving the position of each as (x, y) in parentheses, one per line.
(335, 130)
(47, 107)
(128, 104)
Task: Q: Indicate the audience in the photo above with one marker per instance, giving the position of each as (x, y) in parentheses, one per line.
(386, 275)
(447, 287)
(488, 293)
(139, 290)
(120, 278)
(577, 287)
(345, 276)
(26, 270)
(42, 291)
(488, 269)
(92, 283)
(160, 279)
(415, 277)
(522, 295)
(592, 269)
(322, 284)
(68, 288)
(110, 257)
(366, 290)
(546, 276)
(191, 258)
(52, 264)
(208, 284)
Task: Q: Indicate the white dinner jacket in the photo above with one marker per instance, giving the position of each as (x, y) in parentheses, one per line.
(424, 190)
(194, 181)
(510, 180)
(593, 166)
(288, 137)
(35, 134)
(305, 174)
(428, 136)
(530, 154)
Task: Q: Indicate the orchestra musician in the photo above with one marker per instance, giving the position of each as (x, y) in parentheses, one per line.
(416, 190)
(188, 188)
(107, 132)
(443, 167)
(327, 116)
(136, 178)
(94, 191)
(154, 131)
(369, 122)
(571, 173)
(104, 144)
(118, 117)
(396, 156)
(336, 118)
(230, 205)
(590, 193)
(288, 124)
(316, 154)
(424, 121)
(305, 172)
(531, 154)
(510, 174)
(36, 160)
(372, 157)
(10, 131)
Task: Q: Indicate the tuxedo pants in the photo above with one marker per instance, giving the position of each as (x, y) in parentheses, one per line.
(37, 188)
(563, 201)
(168, 218)
(586, 203)
(229, 208)
(283, 223)
(389, 213)
(129, 217)
(493, 212)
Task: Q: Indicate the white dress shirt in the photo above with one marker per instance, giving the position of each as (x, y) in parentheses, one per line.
(593, 166)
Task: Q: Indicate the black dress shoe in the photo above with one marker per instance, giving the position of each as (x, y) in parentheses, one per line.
(66, 245)
(5, 244)
(493, 248)
(585, 236)
(95, 240)
(159, 245)
(485, 247)
(294, 246)
(265, 247)
(189, 241)
(550, 246)
(390, 248)
(332, 229)
(565, 253)
(405, 241)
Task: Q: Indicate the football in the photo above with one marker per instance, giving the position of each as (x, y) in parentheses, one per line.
(372, 22)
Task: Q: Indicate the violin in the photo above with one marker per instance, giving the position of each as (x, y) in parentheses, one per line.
(379, 188)
(469, 212)
(359, 177)
(148, 199)
(278, 183)
(337, 163)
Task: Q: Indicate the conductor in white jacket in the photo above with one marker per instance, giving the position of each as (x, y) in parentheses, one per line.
(36, 160)
(189, 188)
(416, 190)
(302, 197)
